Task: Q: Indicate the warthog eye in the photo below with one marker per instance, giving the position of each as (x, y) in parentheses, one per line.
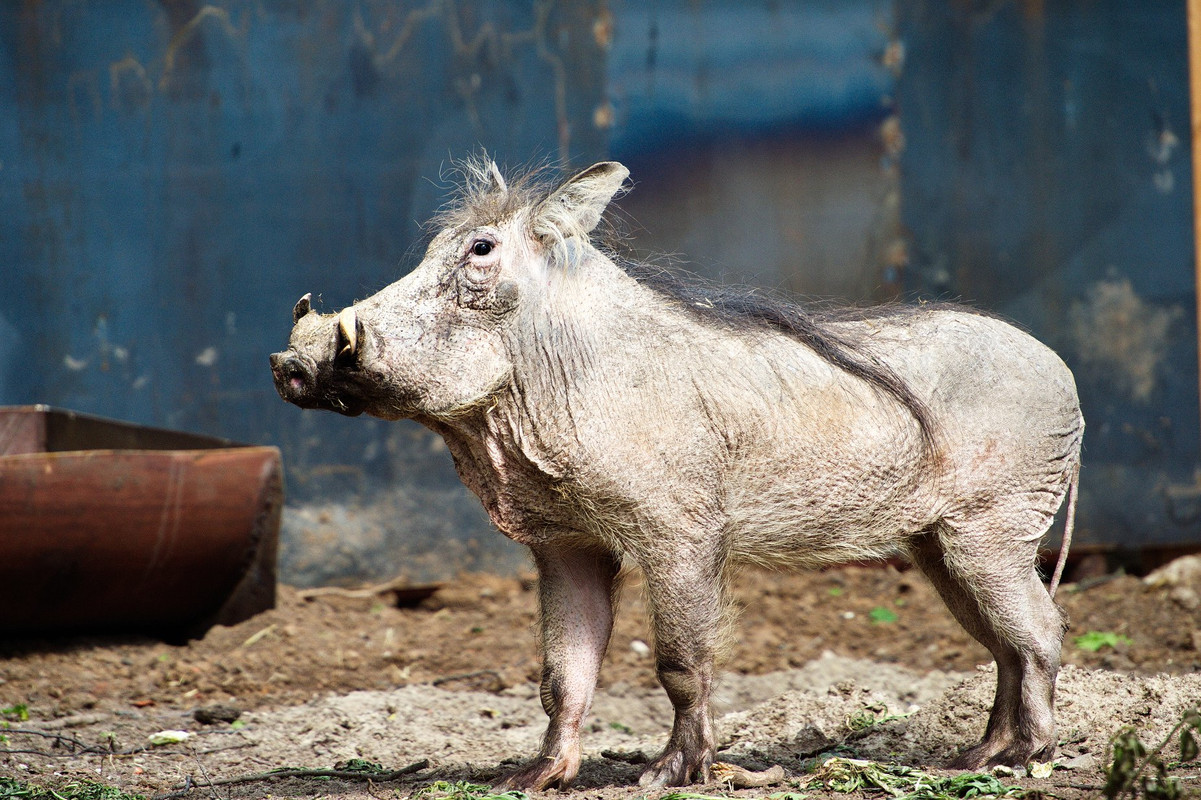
(482, 247)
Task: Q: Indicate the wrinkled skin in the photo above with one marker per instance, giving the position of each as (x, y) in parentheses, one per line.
(602, 424)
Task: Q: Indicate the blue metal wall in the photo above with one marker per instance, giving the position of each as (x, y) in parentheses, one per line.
(173, 176)
(1047, 177)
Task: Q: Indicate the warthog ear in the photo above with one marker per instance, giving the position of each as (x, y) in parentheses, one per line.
(301, 308)
(496, 180)
(576, 206)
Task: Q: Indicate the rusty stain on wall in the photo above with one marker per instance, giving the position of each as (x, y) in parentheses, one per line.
(486, 48)
(1118, 333)
(184, 34)
(128, 85)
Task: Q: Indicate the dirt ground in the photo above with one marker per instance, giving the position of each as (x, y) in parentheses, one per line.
(451, 680)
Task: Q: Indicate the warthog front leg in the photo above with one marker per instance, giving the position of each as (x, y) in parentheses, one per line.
(687, 602)
(576, 592)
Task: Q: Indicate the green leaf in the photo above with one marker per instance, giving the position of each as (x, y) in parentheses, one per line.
(18, 710)
(1095, 640)
(846, 775)
(882, 616)
(10, 788)
(463, 790)
(360, 765)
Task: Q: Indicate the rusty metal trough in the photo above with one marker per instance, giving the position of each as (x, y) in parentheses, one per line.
(105, 525)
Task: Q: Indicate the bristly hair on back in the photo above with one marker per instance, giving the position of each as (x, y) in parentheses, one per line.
(485, 197)
(741, 309)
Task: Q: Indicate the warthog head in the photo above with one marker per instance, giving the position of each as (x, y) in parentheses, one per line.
(441, 340)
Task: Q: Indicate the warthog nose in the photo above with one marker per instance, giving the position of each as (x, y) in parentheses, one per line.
(292, 377)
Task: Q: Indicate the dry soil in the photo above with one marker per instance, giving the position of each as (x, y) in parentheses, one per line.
(317, 682)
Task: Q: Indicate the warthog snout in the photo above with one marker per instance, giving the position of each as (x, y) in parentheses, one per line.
(294, 378)
(321, 368)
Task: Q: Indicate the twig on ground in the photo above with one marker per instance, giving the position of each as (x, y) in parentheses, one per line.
(187, 787)
(74, 746)
(346, 774)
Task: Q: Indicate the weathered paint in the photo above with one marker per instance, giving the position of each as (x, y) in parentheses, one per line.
(1047, 177)
(173, 177)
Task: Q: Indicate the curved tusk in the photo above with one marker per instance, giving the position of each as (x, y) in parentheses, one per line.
(348, 331)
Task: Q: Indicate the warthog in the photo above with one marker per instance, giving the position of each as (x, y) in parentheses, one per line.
(608, 414)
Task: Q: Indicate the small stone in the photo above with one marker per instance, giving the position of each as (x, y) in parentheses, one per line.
(1186, 597)
(1184, 571)
(1084, 761)
(218, 712)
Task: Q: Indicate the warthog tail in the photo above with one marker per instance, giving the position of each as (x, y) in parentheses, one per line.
(1068, 525)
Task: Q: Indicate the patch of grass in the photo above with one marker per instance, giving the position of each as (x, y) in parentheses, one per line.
(882, 616)
(846, 775)
(13, 789)
(1095, 640)
(621, 726)
(19, 711)
(1133, 772)
(834, 591)
(463, 790)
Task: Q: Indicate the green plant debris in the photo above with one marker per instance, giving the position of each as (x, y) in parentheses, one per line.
(906, 783)
(834, 591)
(20, 711)
(1095, 640)
(882, 616)
(621, 726)
(169, 737)
(462, 790)
(1133, 772)
(360, 765)
(870, 716)
(13, 789)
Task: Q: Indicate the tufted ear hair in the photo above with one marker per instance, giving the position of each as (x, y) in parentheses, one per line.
(575, 208)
